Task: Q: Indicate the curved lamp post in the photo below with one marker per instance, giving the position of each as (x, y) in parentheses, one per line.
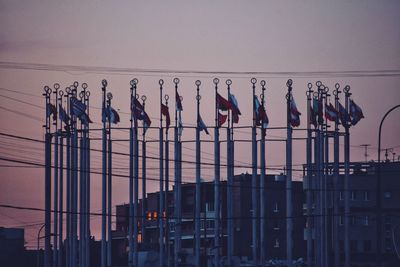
(378, 193)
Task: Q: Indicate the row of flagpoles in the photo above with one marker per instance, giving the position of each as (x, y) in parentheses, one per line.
(72, 126)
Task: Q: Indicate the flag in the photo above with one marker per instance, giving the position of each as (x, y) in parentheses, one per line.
(137, 110)
(63, 115)
(51, 110)
(221, 119)
(261, 114)
(343, 115)
(78, 109)
(330, 112)
(202, 126)
(180, 124)
(355, 112)
(317, 111)
(313, 117)
(235, 108)
(165, 112)
(178, 102)
(222, 103)
(294, 113)
(111, 114)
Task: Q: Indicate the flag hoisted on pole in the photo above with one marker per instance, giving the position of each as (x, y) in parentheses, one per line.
(293, 120)
(56, 182)
(161, 161)
(177, 188)
(109, 188)
(254, 190)
(217, 172)
(146, 124)
(165, 214)
(198, 179)
(61, 188)
(263, 121)
(104, 183)
(346, 124)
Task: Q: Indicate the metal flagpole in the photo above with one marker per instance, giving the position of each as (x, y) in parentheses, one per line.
(131, 173)
(178, 212)
(81, 190)
(61, 195)
(254, 214)
(104, 182)
(74, 184)
(309, 178)
(144, 200)
(229, 183)
(197, 211)
(347, 183)
(136, 193)
(161, 208)
(217, 172)
(289, 210)
(87, 184)
(109, 187)
(68, 183)
(47, 184)
(55, 196)
(322, 179)
(325, 145)
(166, 217)
(336, 247)
(263, 196)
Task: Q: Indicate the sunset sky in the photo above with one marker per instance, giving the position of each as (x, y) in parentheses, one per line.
(298, 37)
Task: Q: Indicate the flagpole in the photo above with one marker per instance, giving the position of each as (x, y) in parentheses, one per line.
(263, 196)
(161, 208)
(229, 183)
(109, 187)
(74, 187)
(144, 200)
(336, 201)
(104, 183)
(68, 183)
(197, 211)
(325, 157)
(131, 171)
(55, 196)
(254, 180)
(87, 183)
(61, 195)
(216, 181)
(136, 190)
(346, 90)
(309, 178)
(47, 184)
(178, 212)
(289, 211)
(81, 190)
(166, 97)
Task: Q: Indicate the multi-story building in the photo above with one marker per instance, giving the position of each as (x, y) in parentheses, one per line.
(275, 210)
(363, 215)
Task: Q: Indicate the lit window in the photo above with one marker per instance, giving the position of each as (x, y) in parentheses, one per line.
(155, 215)
(366, 220)
(276, 208)
(276, 245)
(149, 216)
(366, 196)
(139, 238)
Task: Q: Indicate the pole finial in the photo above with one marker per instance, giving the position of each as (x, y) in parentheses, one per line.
(176, 81)
(215, 81)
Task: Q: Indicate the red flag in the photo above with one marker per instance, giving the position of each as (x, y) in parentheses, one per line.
(222, 103)
(165, 112)
(221, 119)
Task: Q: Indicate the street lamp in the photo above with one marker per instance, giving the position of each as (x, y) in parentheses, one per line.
(378, 194)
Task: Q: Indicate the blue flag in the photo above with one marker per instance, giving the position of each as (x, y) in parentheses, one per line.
(202, 125)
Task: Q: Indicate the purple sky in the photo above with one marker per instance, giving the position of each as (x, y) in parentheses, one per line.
(268, 36)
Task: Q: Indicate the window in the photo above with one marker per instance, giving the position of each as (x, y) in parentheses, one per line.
(209, 206)
(276, 245)
(172, 226)
(341, 197)
(353, 195)
(366, 196)
(149, 216)
(367, 245)
(387, 194)
(276, 208)
(276, 225)
(366, 220)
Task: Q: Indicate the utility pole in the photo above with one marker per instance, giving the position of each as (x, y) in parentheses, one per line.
(365, 151)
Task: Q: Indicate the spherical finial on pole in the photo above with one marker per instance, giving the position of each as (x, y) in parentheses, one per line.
(176, 81)
(198, 83)
(228, 82)
(215, 81)
(309, 85)
(161, 82)
(318, 83)
(143, 98)
(289, 83)
(134, 81)
(263, 83)
(56, 86)
(337, 86)
(104, 83)
(346, 89)
(76, 84)
(253, 81)
(84, 86)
